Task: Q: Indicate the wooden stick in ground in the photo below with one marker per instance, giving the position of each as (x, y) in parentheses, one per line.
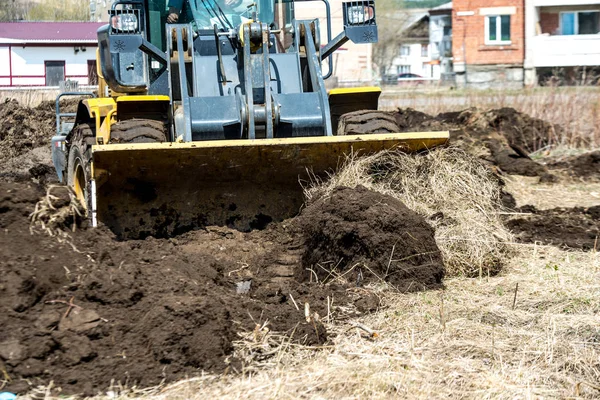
(365, 328)
(515, 297)
(294, 301)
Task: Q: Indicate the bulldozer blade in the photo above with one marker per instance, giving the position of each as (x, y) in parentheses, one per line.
(161, 189)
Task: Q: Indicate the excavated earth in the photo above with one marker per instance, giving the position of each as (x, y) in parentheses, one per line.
(83, 309)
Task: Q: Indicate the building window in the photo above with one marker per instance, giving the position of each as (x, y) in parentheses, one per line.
(405, 50)
(55, 72)
(497, 29)
(424, 50)
(92, 72)
(403, 69)
(580, 23)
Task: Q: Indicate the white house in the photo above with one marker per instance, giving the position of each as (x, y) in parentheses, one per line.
(561, 34)
(440, 40)
(46, 53)
(413, 56)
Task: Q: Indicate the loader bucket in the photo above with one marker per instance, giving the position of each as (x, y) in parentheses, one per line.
(161, 189)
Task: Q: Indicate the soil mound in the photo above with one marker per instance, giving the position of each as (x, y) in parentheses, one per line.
(502, 138)
(585, 166)
(571, 228)
(367, 236)
(23, 129)
(25, 135)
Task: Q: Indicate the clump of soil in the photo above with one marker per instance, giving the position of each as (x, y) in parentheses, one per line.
(367, 236)
(585, 165)
(571, 228)
(84, 309)
(502, 138)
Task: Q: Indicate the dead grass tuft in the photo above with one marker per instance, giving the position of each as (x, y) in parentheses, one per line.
(57, 213)
(451, 189)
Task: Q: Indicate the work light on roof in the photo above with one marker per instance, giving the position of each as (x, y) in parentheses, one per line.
(125, 22)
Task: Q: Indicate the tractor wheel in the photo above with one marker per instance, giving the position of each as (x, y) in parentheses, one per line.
(365, 122)
(79, 164)
(138, 131)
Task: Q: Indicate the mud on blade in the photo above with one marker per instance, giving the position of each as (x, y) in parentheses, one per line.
(161, 189)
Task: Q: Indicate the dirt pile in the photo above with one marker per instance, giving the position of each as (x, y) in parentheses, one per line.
(22, 128)
(25, 135)
(571, 228)
(502, 138)
(367, 236)
(82, 310)
(586, 166)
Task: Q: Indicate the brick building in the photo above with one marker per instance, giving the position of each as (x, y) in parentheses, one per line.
(488, 42)
(563, 41)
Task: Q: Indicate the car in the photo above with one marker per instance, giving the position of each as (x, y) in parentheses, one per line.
(410, 77)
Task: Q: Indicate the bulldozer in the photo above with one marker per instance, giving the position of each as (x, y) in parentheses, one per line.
(216, 119)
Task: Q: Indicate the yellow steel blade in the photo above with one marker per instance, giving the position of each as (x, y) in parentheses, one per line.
(163, 188)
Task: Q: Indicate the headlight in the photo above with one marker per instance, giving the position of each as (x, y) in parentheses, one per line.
(125, 22)
(358, 15)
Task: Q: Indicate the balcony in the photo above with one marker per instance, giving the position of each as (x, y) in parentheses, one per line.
(565, 50)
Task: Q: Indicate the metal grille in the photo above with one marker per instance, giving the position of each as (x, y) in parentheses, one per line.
(368, 17)
(120, 9)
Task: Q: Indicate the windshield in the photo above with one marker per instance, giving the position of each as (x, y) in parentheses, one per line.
(229, 14)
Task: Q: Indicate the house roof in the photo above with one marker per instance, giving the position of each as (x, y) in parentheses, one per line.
(49, 32)
(445, 8)
(406, 18)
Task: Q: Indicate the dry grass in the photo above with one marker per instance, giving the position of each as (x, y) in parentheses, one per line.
(29, 97)
(576, 109)
(454, 191)
(571, 193)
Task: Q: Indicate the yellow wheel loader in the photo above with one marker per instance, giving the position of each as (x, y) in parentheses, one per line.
(217, 118)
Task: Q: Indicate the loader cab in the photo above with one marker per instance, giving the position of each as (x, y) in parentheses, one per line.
(226, 15)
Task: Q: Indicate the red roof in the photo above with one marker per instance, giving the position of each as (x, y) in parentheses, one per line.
(47, 32)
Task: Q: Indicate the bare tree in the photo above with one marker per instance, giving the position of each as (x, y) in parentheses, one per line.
(13, 10)
(392, 19)
(60, 10)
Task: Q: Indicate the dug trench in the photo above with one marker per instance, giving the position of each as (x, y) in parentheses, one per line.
(83, 309)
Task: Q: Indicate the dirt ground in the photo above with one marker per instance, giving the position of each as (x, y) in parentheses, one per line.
(83, 309)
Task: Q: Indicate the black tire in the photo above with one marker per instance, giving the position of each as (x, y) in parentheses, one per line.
(79, 164)
(138, 131)
(365, 122)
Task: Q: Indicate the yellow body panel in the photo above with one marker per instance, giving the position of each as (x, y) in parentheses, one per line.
(98, 108)
(145, 97)
(228, 182)
(104, 110)
(353, 90)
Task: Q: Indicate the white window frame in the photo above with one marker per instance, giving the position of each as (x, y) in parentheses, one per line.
(407, 48)
(404, 69)
(576, 12)
(498, 29)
